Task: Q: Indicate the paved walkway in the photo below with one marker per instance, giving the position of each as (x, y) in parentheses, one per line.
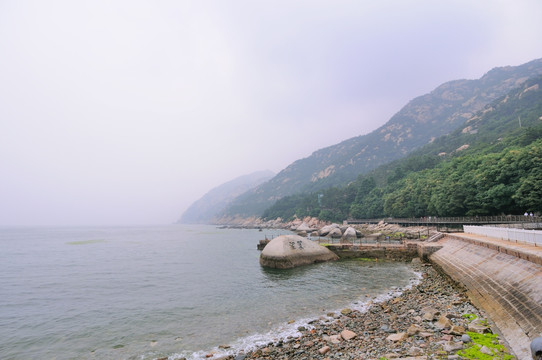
(523, 251)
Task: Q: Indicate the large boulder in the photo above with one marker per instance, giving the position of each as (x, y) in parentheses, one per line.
(350, 233)
(289, 251)
(304, 227)
(327, 229)
(335, 233)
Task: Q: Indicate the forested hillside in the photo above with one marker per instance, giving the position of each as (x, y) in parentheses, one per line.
(420, 122)
(492, 165)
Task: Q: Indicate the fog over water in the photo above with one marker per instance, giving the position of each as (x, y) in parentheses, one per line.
(125, 112)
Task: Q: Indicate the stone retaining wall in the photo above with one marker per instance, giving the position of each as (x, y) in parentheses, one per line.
(507, 286)
(391, 252)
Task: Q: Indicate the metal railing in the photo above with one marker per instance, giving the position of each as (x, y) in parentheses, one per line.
(518, 235)
(501, 219)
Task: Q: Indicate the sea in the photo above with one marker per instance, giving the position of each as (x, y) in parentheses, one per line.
(171, 291)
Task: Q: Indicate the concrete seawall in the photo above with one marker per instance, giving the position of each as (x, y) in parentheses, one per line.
(502, 278)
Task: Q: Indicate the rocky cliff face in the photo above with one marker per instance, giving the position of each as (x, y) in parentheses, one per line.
(418, 123)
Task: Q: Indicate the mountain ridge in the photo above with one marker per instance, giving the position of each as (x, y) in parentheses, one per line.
(489, 166)
(419, 122)
(217, 199)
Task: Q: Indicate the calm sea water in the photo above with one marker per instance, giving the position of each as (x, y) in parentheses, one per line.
(150, 292)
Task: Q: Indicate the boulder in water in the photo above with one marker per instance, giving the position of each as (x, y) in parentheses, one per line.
(289, 251)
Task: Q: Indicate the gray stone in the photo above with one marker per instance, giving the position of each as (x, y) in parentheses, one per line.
(451, 346)
(304, 227)
(466, 338)
(415, 351)
(289, 251)
(335, 233)
(536, 348)
(349, 233)
(327, 229)
(486, 350)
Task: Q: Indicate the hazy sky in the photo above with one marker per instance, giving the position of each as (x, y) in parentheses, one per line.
(125, 112)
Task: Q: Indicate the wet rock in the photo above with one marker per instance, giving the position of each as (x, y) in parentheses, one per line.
(346, 311)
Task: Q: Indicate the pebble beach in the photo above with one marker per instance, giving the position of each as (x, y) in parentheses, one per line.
(430, 320)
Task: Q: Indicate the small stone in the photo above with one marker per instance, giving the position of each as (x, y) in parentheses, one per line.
(414, 329)
(451, 346)
(348, 335)
(430, 314)
(391, 356)
(415, 351)
(486, 350)
(447, 337)
(457, 330)
(301, 328)
(346, 311)
(324, 350)
(397, 337)
(334, 339)
(466, 338)
(478, 326)
(443, 323)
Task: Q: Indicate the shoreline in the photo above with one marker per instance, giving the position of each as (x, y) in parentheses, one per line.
(424, 321)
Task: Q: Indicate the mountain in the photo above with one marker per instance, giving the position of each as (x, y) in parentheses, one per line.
(489, 166)
(420, 122)
(217, 199)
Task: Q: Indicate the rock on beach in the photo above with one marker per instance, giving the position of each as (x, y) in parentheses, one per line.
(405, 327)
